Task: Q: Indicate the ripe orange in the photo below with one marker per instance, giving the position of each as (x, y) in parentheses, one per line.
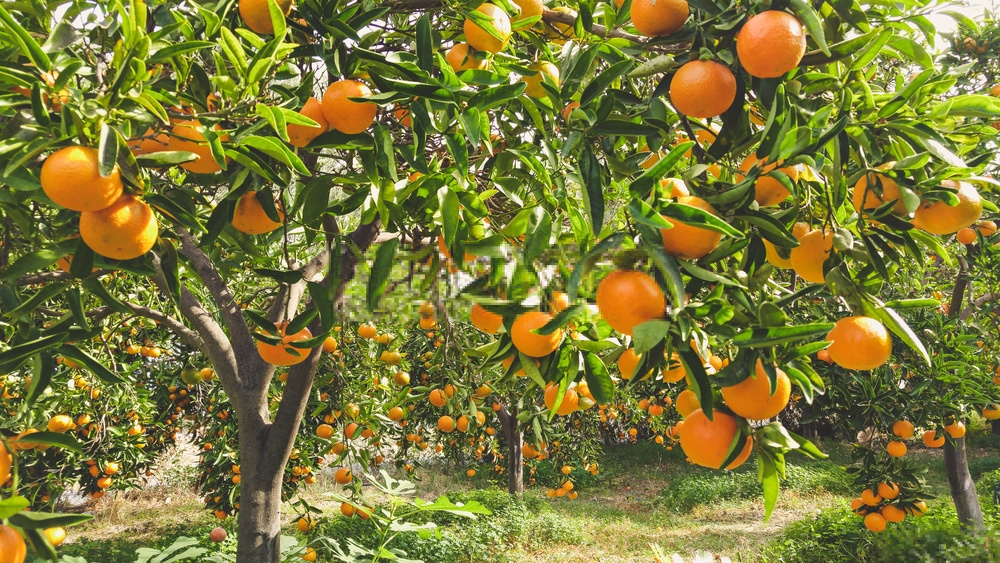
(446, 424)
(871, 497)
(257, 15)
(460, 58)
(706, 442)
(395, 414)
(401, 378)
(250, 217)
(627, 362)
(438, 398)
(655, 18)
(55, 535)
(888, 490)
(808, 257)
(305, 524)
(770, 44)
(343, 476)
(60, 423)
(5, 463)
(344, 114)
(367, 331)
(919, 508)
(966, 236)
(866, 197)
(875, 522)
(529, 343)
(768, 190)
(987, 228)
(687, 241)
(12, 545)
(702, 88)
(896, 449)
(569, 403)
(856, 505)
(930, 441)
(324, 431)
(752, 398)
(544, 71)
(284, 354)
(126, 229)
(687, 402)
(480, 39)
(330, 345)
(941, 219)
(956, 429)
(859, 343)
(903, 429)
(71, 179)
(893, 513)
(302, 135)
(189, 136)
(992, 412)
(674, 371)
(484, 320)
(628, 298)
(347, 509)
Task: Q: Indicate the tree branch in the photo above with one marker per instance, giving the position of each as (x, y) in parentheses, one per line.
(185, 334)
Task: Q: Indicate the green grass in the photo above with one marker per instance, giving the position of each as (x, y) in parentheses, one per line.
(644, 494)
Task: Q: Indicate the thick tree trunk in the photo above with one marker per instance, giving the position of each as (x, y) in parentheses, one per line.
(515, 460)
(963, 489)
(259, 525)
(996, 426)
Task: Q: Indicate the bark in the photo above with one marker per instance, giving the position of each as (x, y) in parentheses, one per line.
(963, 489)
(259, 525)
(515, 461)
(996, 426)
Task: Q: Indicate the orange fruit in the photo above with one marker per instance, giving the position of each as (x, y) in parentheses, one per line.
(395, 414)
(344, 114)
(479, 38)
(893, 513)
(104, 482)
(438, 398)
(12, 545)
(71, 179)
(189, 136)
(903, 429)
(774, 258)
(875, 522)
(55, 535)
(939, 218)
(966, 236)
(768, 190)
(930, 441)
(866, 197)
(559, 302)
(330, 345)
(752, 398)
(569, 403)
(343, 476)
(896, 449)
(674, 187)
(484, 320)
(655, 18)
(987, 228)
(628, 298)
(558, 32)
(257, 15)
(995, 90)
(770, 44)
(347, 509)
(446, 424)
(529, 343)
(956, 429)
(808, 257)
(859, 343)
(367, 331)
(687, 402)
(5, 463)
(870, 497)
(283, 354)
(250, 217)
(706, 442)
(124, 230)
(59, 423)
(888, 491)
(460, 58)
(690, 242)
(856, 505)
(305, 524)
(991, 413)
(544, 71)
(324, 431)
(702, 88)
(302, 135)
(919, 508)
(674, 371)
(529, 8)
(627, 362)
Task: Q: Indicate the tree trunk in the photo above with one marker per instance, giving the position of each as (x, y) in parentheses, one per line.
(259, 524)
(515, 463)
(963, 489)
(996, 426)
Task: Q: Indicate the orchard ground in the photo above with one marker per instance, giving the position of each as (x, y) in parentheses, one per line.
(644, 495)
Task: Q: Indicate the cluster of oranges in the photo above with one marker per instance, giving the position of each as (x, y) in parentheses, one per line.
(878, 509)
(113, 223)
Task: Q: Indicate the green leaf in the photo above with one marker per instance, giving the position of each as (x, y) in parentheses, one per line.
(33, 262)
(449, 204)
(385, 258)
(602, 81)
(42, 368)
(425, 51)
(700, 218)
(66, 441)
(167, 53)
(593, 182)
(561, 319)
(47, 292)
(492, 97)
(278, 151)
(611, 241)
(697, 375)
(11, 506)
(811, 19)
(642, 185)
(648, 334)
(277, 19)
(24, 41)
(898, 326)
(767, 474)
(760, 337)
(598, 378)
(89, 362)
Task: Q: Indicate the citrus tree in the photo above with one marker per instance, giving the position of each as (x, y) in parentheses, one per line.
(692, 170)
